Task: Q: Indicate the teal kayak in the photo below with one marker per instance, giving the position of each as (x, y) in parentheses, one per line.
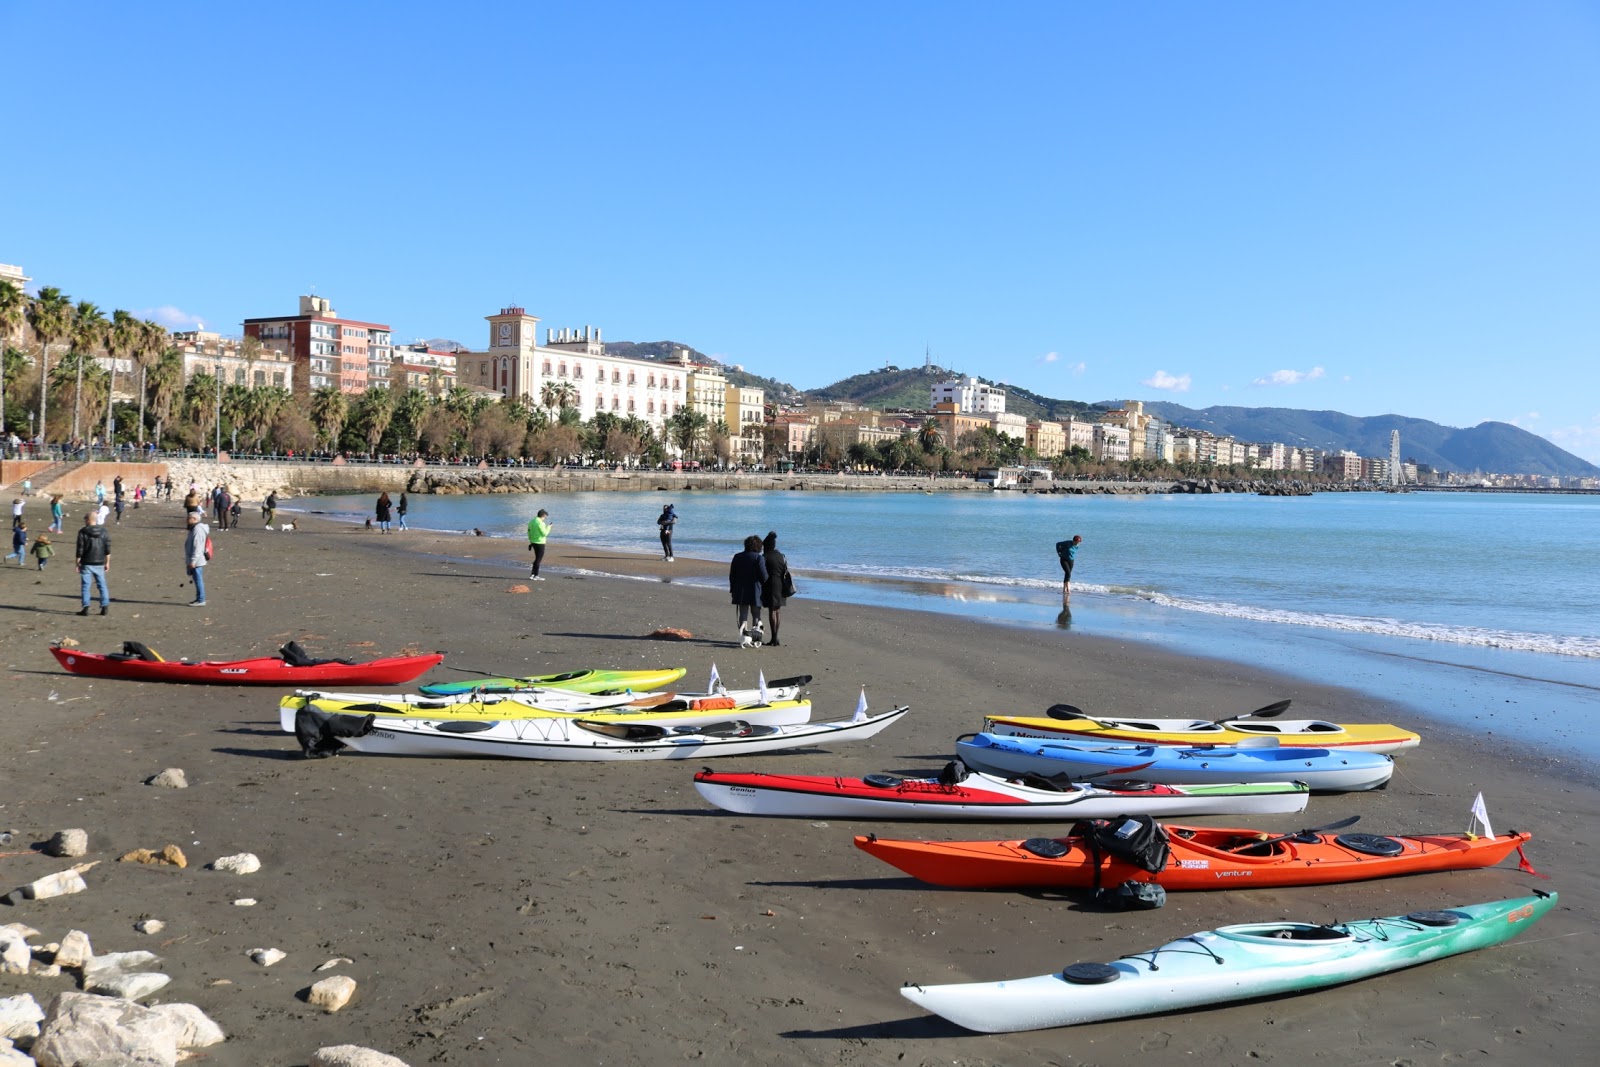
(1229, 963)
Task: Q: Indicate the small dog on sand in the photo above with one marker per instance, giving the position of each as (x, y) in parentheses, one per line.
(287, 527)
(478, 533)
(369, 524)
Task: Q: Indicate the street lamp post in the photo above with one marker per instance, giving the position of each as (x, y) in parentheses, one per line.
(218, 414)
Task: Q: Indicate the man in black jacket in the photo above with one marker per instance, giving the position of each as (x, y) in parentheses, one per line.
(93, 558)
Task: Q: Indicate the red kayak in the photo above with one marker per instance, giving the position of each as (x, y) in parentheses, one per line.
(291, 669)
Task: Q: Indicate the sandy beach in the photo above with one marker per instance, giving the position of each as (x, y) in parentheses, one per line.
(514, 912)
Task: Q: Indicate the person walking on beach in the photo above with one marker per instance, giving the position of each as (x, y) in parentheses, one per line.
(55, 513)
(101, 512)
(384, 509)
(400, 510)
(538, 533)
(779, 587)
(1067, 552)
(747, 574)
(194, 556)
(269, 508)
(42, 550)
(121, 501)
(224, 508)
(19, 542)
(667, 519)
(93, 559)
(191, 501)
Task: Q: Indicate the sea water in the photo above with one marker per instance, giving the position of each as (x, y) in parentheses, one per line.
(1481, 609)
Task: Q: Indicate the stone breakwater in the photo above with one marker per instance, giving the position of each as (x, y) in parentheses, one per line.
(251, 480)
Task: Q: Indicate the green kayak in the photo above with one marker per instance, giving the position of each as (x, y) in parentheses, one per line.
(587, 681)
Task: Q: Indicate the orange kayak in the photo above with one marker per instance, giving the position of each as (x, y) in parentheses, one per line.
(1201, 857)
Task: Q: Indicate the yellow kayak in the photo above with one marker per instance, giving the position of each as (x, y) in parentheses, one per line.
(783, 706)
(1308, 733)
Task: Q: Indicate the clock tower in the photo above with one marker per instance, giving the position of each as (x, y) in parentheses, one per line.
(513, 335)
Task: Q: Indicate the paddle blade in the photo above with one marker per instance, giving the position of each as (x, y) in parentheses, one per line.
(1064, 711)
(1271, 711)
(1119, 770)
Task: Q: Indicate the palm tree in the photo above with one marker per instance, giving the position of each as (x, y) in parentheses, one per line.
(51, 316)
(373, 413)
(549, 397)
(261, 408)
(152, 345)
(250, 350)
(200, 400)
(125, 337)
(685, 427)
(13, 312)
(930, 436)
(234, 399)
(329, 408)
(89, 330)
(164, 383)
(409, 410)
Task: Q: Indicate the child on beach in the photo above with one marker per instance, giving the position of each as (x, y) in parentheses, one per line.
(55, 512)
(19, 542)
(42, 551)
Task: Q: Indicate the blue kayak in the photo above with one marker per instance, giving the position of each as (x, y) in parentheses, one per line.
(1321, 769)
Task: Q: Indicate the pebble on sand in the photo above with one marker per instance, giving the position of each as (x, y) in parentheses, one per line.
(171, 778)
(242, 863)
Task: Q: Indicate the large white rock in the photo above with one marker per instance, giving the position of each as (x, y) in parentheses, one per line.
(331, 994)
(353, 1056)
(117, 974)
(74, 950)
(60, 884)
(20, 1016)
(195, 1028)
(171, 778)
(149, 926)
(68, 843)
(266, 956)
(10, 1057)
(83, 1029)
(15, 955)
(22, 930)
(243, 863)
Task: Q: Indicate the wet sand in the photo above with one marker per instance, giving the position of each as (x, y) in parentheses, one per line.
(511, 912)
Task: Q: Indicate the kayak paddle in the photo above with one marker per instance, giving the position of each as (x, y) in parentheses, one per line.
(1267, 842)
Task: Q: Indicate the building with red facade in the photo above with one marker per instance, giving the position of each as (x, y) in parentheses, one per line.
(348, 354)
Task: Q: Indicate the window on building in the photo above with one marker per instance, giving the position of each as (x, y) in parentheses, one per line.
(547, 368)
(238, 376)
(277, 380)
(563, 371)
(630, 403)
(652, 382)
(651, 407)
(616, 377)
(577, 372)
(631, 379)
(260, 378)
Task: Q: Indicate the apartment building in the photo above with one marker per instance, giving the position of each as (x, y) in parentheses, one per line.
(1046, 439)
(969, 396)
(348, 354)
(207, 352)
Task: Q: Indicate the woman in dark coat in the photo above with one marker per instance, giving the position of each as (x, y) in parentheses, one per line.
(777, 581)
(383, 512)
(747, 574)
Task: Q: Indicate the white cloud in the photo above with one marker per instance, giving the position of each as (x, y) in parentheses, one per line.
(1049, 357)
(1525, 418)
(1582, 439)
(1171, 383)
(170, 317)
(1291, 377)
(1078, 367)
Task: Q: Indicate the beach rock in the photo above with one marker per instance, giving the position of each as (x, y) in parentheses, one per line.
(245, 902)
(50, 970)
(195, 1028)
(116, 974)
(10, 1057)
(242, 863)
(149, 926)
(15, 955)
(170, 856)
(22, 930)
(171, 778)
(60, 884)
(331, 964)
(672, 633)
(20, 1016)
(83, 1029)
(75, 950)
(353, 1056)
(266, 956)
(69, 843)
(331, 994)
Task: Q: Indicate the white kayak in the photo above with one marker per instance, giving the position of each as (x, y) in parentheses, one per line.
(979, 796)
(781, 706)
(1226, 964)
(587, 740)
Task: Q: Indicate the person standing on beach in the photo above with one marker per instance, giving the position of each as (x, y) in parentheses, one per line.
(269, 508)
(667, 519)
(1067, 553)
(42, 550)
(779, 587)
(400, 510)
(55, 513)
(747, 574)
(194, 556)
(538, 533)
(224, 508)
(383, 511)
(93, 559)
(191, 501)
(121, 500)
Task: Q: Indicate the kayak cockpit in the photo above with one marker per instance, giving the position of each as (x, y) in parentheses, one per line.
(1283, 933)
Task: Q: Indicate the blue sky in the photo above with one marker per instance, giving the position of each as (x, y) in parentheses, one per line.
(1368, 208)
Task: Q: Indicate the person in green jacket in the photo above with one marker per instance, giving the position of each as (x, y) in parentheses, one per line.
(538, 533)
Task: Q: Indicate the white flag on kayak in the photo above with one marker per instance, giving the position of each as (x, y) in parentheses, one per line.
(761, 680)
(1480, 813)
(715, 685)
(861, 707)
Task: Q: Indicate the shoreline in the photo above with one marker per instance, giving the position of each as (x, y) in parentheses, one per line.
(603, 912)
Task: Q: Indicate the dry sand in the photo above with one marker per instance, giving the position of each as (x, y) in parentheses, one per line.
(509, 912)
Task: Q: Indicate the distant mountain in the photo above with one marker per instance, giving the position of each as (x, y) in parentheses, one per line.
(888, 389)
(444, 344)
(1496, 447)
